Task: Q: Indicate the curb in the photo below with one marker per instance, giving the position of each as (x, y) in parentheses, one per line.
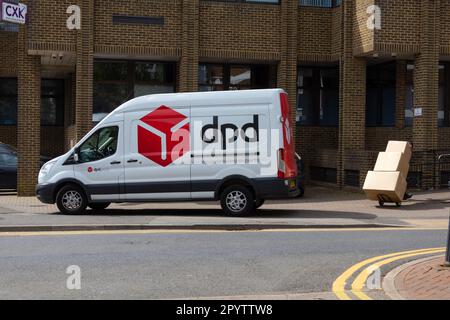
(388, 285)
(221, 227)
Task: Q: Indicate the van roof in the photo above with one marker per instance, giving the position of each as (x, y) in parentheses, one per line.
(255, 96)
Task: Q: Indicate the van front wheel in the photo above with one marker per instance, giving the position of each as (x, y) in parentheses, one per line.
(237, 201)
(71, 199)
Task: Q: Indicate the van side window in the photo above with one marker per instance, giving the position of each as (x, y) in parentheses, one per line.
(102, 144)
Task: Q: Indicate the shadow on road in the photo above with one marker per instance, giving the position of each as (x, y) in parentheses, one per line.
(261, 213)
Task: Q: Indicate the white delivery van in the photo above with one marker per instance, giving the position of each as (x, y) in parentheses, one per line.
(233, 146)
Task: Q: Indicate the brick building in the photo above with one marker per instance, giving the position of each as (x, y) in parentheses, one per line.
(353, 87)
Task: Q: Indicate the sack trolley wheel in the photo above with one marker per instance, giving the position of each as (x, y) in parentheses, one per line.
(382, 199)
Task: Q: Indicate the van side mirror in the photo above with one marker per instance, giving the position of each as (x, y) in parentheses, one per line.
(76, 157)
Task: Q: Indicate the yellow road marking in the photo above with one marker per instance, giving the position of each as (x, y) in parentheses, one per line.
(175, 231)
(339, 284)
(360, 281)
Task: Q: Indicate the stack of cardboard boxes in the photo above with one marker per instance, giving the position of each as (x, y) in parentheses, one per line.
(387, 183)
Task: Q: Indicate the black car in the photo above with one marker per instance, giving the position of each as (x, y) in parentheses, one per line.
(8, 166)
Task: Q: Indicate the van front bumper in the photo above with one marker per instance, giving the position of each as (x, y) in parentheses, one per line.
(45, 192)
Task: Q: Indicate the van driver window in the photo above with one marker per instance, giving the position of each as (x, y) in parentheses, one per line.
(102, 144)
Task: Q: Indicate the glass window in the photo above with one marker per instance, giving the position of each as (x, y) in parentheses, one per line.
(318, 96)
(151, 78)
(102, 144)
(443, 112)
(210, 77)
(216, 77)
(7, 159)
(409, 99)
(380, 95)
(116, 82)
(320, 3)
(52, 102)
(8, 101)
(329, 97)
(305, 101)
(240, 78)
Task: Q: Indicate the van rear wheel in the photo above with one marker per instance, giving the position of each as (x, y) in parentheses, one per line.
(237, 201)
(71, 199)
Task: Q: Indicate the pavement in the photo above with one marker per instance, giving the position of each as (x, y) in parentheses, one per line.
(321, 207)
(423, 279)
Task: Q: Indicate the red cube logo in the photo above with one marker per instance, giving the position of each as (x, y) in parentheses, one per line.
(163, 135)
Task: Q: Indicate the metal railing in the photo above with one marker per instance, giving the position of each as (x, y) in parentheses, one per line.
(429, 169)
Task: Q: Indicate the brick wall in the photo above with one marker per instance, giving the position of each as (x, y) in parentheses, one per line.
(284, 35)
(28, 117)
(134, 39)
(363, 37)
(444, 28)
(47, 25)
(8, 54)
(400, 28)
(314, 34)
(239, 31)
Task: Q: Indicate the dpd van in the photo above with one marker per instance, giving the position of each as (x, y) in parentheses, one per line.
(232, 146)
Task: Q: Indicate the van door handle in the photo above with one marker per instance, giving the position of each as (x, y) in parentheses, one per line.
(115, 162)
(132, 161)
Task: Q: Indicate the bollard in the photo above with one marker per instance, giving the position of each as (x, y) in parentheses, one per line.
(447, 253)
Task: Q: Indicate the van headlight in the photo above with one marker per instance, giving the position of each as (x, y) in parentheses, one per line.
(46, 168)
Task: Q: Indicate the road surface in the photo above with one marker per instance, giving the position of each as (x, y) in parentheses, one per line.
(190, 264)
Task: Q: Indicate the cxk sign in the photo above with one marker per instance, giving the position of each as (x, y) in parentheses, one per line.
(15, 13)
(163, 135)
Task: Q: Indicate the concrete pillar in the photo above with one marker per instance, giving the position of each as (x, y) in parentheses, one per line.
(352, 99)
(287, 67)
(188, 68)
(84, 70)
(426, 88)
(28, 117)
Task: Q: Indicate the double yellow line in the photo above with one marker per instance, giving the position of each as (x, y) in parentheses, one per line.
(370, 265)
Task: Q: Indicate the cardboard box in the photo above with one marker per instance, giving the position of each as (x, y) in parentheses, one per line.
(389, 184)
(392, 161)
(400, 146)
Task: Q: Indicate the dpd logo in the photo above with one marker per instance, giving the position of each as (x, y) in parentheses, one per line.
(163, 135)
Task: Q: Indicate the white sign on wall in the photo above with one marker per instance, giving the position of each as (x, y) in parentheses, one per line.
(418, 112)
(12, 12)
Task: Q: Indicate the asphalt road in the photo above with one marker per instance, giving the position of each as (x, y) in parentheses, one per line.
(192, 264)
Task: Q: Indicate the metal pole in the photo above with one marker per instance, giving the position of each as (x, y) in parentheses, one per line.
(447, 253)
